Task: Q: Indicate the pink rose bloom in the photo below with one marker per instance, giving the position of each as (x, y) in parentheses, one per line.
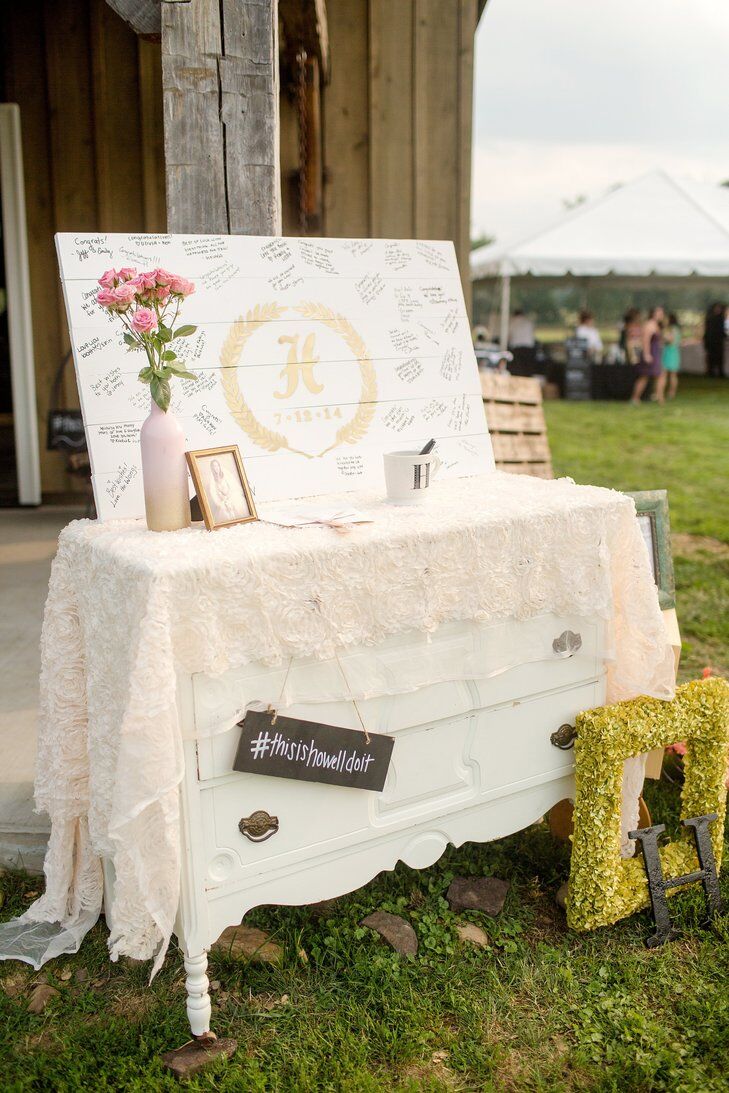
(106, 297)
(144, 320)
(124, 295)
(162, 293)
(143, 282)
(163, 277)
(126, 273)
(180, 286)
(108, 279)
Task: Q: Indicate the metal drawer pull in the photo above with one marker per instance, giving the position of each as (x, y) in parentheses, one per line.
(259, 826)
(567, 643)
(564, 738)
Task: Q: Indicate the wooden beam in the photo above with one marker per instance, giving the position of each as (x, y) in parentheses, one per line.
(220, 90)
(249, 91)
(143, 16)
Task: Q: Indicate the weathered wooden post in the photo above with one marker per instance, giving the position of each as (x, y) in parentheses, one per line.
(221, 90)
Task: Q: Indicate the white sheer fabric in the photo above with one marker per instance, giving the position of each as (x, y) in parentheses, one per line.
(127, 609)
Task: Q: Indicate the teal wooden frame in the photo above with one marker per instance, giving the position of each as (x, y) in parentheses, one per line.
(653, 504)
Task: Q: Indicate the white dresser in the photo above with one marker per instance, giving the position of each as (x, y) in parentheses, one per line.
(473, 760)
(470, 629)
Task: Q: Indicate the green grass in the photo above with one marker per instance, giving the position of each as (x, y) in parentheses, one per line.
(541, 1008)
(682, 447)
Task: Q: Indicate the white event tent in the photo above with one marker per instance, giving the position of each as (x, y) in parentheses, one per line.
(655, 226)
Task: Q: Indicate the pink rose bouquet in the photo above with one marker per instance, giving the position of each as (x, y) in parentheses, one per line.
(148, 305)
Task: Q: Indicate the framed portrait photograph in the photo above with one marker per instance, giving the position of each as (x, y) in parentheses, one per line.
(651, 507)
(222, 487)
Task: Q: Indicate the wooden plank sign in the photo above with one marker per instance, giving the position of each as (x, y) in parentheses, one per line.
(314, 356)
(310, 752)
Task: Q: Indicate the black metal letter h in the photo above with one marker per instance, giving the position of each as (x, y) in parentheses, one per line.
(658, 884)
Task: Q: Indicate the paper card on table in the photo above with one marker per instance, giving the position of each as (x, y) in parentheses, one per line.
(299, 516)
(313, 356)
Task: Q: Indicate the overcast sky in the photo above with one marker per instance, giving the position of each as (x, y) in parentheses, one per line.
(572, 96)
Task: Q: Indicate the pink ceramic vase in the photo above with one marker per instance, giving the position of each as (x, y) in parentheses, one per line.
(164, 471)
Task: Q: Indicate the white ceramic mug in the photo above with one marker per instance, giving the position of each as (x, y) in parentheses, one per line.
(408, 475)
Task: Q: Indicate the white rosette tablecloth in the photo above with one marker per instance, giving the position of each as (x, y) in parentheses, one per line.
(127, 609)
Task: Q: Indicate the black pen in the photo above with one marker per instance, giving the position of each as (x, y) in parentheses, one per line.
(428, 448)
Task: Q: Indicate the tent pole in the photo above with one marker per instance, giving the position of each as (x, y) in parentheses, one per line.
(505, 310)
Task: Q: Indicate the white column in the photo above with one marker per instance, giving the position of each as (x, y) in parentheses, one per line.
(505, 310)
(20, 327)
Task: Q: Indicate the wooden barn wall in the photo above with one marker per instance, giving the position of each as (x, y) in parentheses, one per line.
(91, 113)
(397, 120)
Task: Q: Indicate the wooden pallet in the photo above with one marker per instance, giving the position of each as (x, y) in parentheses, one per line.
(515, 418)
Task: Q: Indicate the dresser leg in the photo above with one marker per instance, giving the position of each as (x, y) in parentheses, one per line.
(198, 1000)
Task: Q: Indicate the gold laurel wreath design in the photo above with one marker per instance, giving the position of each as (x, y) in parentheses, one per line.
(230, 355)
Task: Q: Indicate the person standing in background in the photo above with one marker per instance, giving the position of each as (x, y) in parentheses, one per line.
(650, 366)
(521, 331)
(671, 357)
(587, 330)
(714, 336)
(630, 336)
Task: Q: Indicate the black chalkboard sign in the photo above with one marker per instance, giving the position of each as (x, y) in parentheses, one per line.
(65, 431)
(578, 370)
(310, 752)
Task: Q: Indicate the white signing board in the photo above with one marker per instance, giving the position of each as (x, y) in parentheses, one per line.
(314, 356)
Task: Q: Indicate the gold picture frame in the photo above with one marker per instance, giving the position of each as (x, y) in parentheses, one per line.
(223, 493)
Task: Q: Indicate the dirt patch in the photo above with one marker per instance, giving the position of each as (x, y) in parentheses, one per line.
(688, 546)
(46, 1041)
(435, 1069)
(134, 1005)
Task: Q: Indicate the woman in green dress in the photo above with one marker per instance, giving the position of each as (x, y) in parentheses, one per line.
(671, 358)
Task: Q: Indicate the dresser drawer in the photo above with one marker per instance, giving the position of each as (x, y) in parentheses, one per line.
(307, 820)
(552, 651)
(216, 754)
(511, 744)
(543, 668)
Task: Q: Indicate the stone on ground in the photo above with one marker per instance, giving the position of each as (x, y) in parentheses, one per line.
(473, 934)
(187, 1060)
(395, 930)
(249, 943)
(485, 894)
(40, 997)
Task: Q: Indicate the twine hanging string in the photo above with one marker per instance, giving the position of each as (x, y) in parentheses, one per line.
(273, 710)
(352, 698)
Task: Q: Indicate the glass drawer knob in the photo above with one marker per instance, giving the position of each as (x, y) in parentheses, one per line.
(567, 643)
